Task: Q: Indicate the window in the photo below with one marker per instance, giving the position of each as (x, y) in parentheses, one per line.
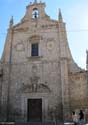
(34, 49)
(35, 13)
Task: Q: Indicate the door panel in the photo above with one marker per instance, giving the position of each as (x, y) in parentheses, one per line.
(34, 110)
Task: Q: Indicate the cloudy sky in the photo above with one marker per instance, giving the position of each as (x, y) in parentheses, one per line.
(75, 14)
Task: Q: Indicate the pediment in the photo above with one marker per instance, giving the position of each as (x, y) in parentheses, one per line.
(41, 88)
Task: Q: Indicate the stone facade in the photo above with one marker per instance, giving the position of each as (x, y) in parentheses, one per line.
(51, 76)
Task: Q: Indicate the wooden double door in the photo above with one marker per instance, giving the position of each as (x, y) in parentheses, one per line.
(34, 110)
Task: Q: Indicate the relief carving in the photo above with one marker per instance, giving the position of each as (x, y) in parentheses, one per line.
(34, 70)
(20, 46)
(34, 83)
(35, 87)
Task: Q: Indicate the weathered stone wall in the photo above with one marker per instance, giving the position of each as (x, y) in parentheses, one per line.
(21, 84)
(52, 76)
(78, 90)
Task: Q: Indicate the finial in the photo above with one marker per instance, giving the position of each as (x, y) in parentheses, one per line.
(87, 59)
(11, 22)
(40, 1)
(35, 1)
(30, 3)
(60, 16)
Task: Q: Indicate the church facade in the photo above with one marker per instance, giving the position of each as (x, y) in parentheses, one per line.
(39, 80)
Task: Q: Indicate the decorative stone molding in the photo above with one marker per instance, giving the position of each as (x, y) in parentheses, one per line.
(20, 47)
(35, 88)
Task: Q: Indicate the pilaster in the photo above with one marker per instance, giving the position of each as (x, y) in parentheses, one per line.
(64, 58)
(65, 88)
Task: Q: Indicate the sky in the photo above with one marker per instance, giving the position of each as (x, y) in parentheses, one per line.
(75, 15)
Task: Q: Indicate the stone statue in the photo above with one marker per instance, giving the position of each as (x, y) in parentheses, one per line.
(34, 82)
